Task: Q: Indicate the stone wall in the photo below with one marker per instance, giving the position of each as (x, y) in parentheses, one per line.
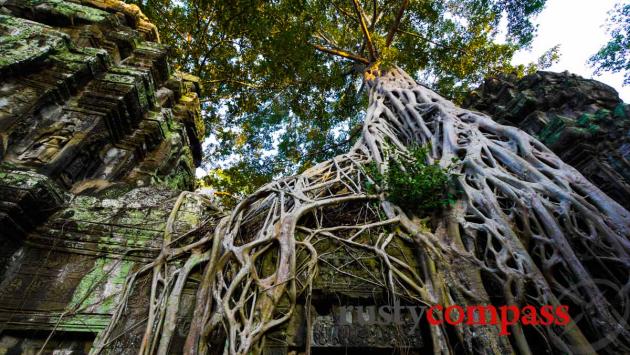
(98, 136)
(583, 121)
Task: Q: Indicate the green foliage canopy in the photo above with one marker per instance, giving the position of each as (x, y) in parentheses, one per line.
(276, 100)
(615, 55)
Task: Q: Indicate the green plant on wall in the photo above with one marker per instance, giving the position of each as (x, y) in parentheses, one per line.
(412, 183)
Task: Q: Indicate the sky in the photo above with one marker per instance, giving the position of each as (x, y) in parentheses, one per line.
(578, 26)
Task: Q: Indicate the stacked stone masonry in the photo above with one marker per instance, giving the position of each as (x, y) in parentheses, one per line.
(583, 121)
(98, 136)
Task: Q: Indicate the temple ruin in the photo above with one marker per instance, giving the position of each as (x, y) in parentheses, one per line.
(99, 140)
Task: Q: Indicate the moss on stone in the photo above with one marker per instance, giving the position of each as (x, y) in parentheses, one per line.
(553, 131)
(620, 111)
(72, 11)
(25, 41)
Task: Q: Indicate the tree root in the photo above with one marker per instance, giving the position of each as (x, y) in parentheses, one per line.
(527, 229)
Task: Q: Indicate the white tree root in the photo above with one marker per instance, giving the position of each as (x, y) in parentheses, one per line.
(526, 229)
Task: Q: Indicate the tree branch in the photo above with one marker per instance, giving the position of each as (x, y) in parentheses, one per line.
(344, 12)
(322, 36)
(460, 50)
(374, 14)
(239, 82)
(341, 53)
(392, 31)
(364, 29)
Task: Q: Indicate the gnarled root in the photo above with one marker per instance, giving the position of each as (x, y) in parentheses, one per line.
(527, 230)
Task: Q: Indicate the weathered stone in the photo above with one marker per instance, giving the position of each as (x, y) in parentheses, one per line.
(78, 260)
(97, 139)
(581, 120)
(28, 199)
(77, 113)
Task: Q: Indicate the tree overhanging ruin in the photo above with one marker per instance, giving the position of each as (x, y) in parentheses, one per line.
(525, 229)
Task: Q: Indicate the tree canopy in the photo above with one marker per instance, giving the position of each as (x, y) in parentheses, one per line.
(614, 56)
(282, 79)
